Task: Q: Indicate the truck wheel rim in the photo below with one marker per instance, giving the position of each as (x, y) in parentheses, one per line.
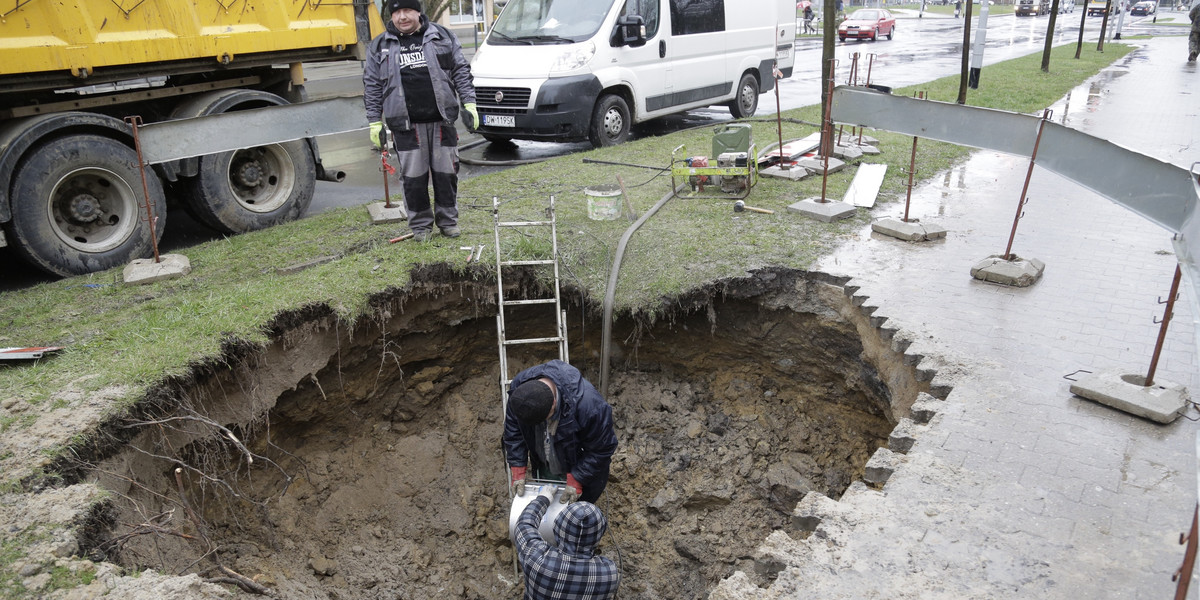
(93, 210)
(262, 179)
(614, 123)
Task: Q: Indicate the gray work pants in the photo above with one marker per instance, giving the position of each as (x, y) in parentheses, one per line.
(429, 149)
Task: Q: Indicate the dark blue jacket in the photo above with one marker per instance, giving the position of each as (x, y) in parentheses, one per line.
(585, 440)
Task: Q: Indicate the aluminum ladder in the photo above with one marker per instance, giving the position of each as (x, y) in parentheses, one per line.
(560, 315)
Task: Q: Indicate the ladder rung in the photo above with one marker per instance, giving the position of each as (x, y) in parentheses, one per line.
(524, 223)
(520, 302)
(532, 341)
(525, 263)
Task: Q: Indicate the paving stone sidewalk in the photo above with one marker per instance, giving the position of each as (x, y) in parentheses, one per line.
(1017, 488)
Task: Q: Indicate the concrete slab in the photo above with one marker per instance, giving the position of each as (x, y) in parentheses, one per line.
(1162, 402)
(145, 270)
(847, 152)
(816, 163)
(865, 186)
(381, 214)
(1018, 272)
(827, 211)
(912, 231)
(793, 173)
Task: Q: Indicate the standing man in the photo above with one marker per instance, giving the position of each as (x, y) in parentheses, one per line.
(557, 423)
(1194, 36)
(569, 569)
(414, 80)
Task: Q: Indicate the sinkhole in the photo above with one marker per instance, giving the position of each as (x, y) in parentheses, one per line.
(364, 461)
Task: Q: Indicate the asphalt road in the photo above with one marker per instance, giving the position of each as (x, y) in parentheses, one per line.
(923, 49)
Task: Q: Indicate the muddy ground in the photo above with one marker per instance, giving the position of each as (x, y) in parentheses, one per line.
(365, 461)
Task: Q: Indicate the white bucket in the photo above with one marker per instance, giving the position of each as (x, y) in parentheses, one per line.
(604, 202)
(546, 528)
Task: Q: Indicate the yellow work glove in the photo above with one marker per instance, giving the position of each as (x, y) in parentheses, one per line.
(375, 129)
(472, 116)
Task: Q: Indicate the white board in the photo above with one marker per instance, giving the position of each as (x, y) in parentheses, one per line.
(865, 186)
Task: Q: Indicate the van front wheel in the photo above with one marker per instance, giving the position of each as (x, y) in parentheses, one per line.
(610, 121)
(746, 101)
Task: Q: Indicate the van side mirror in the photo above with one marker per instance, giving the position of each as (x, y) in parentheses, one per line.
(630, 31)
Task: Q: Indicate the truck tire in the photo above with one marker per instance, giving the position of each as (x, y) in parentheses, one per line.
(610, 121)
(745, 103)
(249, 189)
(253, 188)
(77, 206)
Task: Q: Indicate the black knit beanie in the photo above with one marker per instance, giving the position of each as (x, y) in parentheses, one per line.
(531, 402)
(395, 5)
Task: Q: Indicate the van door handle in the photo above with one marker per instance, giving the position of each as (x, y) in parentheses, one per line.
(662, 48)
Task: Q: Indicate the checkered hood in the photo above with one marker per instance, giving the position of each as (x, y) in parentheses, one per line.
(579, 528)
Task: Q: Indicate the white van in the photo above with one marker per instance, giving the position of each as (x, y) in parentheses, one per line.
(569, 70)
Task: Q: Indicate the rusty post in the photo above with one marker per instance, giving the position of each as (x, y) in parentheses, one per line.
(134, 122)
(870, 63)
(1025, 188)
(1162, 331)
(778, 75)
(386, 167)
(1183, 576)
(912, 169)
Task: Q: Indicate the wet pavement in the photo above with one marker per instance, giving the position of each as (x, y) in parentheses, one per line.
(1017, 488)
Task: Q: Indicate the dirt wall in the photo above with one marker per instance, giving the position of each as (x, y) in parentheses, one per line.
(365, 462)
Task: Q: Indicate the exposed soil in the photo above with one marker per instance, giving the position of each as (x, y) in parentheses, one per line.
(377, 470)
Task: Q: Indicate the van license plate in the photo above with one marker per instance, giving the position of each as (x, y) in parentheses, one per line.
(500, 120)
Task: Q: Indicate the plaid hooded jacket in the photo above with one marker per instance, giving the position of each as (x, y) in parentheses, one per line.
(570, 571)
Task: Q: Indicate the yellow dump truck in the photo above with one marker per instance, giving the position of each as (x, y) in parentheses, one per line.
(74, 73)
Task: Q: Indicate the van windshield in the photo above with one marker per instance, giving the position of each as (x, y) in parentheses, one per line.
(535, 22)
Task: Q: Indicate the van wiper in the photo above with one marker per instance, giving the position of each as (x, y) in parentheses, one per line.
(554, 39)
(520, 40)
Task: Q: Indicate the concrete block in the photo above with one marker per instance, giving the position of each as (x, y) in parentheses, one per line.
(1018, 272)
(911, 231)
(380, 214)
(847, 152)
(923, 411)
(903, 436)
(1162, 402)
(145, 270)
(793, 173)
(811, 509)
(828, 211)
(816, 164)
(881, 466)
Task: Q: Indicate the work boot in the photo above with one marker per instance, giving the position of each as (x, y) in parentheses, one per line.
(1191, 57)
(422, 236)
(451, 231)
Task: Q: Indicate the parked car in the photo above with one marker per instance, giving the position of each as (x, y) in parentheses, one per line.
(1031, 7)
(868, 24)
(1146, 7)
(1066, 6)
(1097, 8)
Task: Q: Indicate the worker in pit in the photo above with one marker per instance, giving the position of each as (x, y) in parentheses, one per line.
(557, 427)
(569, 570)
(414, 79)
